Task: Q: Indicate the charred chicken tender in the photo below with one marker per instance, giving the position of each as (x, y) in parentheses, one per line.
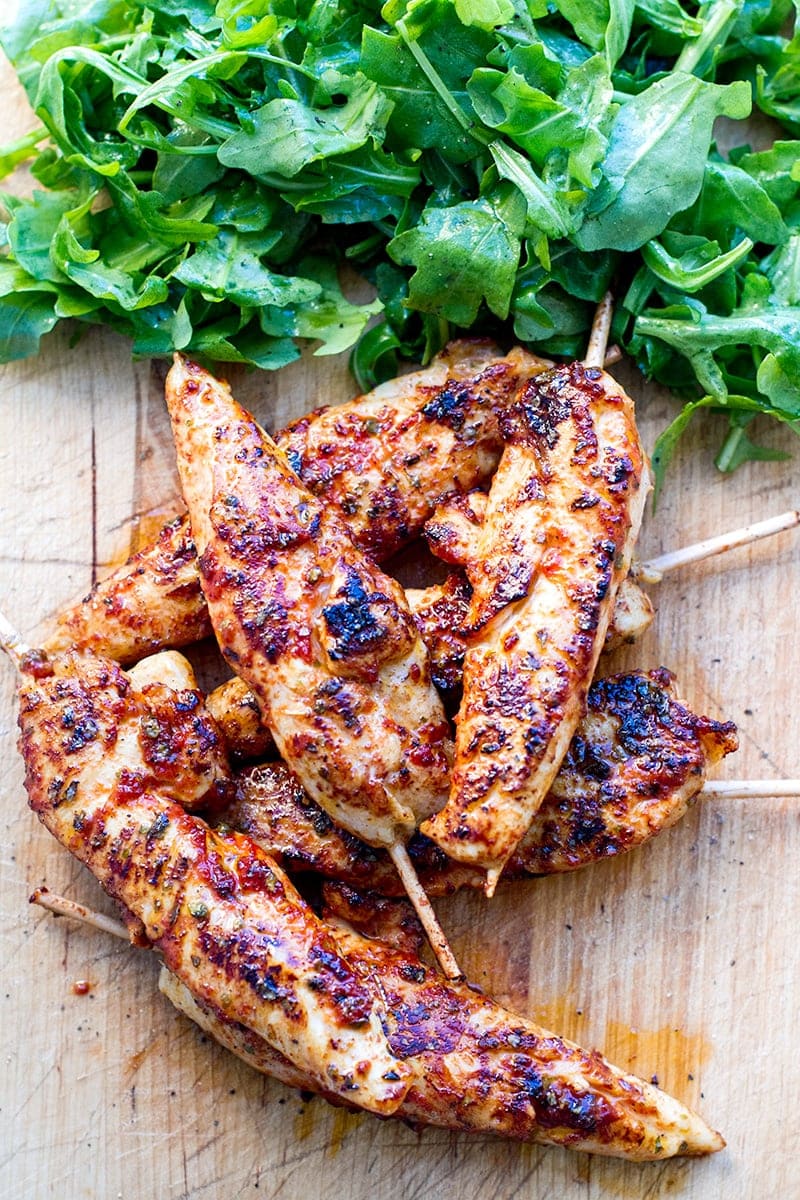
(478, 1068)
(222, 913)
(383, 460)
(453, 534)
(635, 766)
(562, 517)
(323, 638)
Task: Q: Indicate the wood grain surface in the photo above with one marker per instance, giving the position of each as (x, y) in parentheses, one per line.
(680, 961)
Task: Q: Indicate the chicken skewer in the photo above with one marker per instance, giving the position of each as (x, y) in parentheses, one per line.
(224, 916)
(562, 517)
(323, 638)
(478, 1068)
(637, 763)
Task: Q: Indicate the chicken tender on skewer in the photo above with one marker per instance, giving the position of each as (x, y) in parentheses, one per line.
(323, 638)
(637, 762)
(308, 996)
(563, 514)
(480, 1069)
(383, 460)
(224, 916)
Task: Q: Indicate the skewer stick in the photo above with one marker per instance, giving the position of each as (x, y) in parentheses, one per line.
(61, 907)
(655, 569)
(613, 355)
(11, 641)
(601, 328)
(424, 910)
(750, 789)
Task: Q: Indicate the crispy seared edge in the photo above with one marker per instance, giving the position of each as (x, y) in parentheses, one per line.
(563, 514)
(479, 1068)
(225, 917)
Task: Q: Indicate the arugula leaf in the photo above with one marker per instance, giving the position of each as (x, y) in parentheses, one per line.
(463, 255)
(230, 267)
(657, 153)
(287, 135)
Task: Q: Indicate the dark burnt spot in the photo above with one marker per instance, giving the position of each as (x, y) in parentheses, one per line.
(533, 489)
(537, 736)
(334, 697)
(450, 405)
(590, 760)
(59, 793)
(356, 621)
(266, 626)
(157, 829)
(619, 472)
(83, 732)
(511, 579)
(584, 501)
(487, 740)
(540, 407)
(352, 1001)
(556, 1103)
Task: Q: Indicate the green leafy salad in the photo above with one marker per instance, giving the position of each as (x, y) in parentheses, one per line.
(203, 170)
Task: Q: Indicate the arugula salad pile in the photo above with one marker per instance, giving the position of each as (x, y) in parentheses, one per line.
(203, 169)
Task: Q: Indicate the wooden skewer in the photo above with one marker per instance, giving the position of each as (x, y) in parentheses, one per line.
(749, 789)
(656, 568)
(601, 328)
(61, 907)
(11, 642)
(424, 910)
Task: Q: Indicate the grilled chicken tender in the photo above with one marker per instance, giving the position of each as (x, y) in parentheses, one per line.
(383, 460)
(635, 766)
(226, 919)
(563, 514)
(478, 1068)
(153, 601)
(323, 638)
(453, 535)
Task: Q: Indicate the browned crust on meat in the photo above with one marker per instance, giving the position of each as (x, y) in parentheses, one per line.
(323, 638)
(382, 460)
(154, 600)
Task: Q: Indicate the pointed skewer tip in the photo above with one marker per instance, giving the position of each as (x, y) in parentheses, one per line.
(12, 643)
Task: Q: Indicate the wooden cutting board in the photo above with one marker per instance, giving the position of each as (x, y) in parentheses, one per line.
(680, 961)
